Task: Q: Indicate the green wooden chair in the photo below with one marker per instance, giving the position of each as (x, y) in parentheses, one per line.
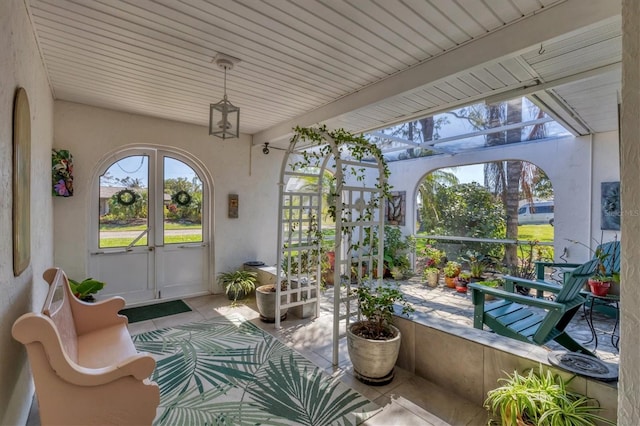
(611, 262)
(531, 319)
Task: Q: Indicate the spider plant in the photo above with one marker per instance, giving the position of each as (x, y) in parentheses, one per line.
(541, 398)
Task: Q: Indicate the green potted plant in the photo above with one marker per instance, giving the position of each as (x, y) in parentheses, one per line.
(396, 252)
(541, 398)
(601, 281)
(478, 263)
(374, 342)
(85, 289)
(451, 270)
(433, 256)
(461, 282)
(237, 284)
(432, 276)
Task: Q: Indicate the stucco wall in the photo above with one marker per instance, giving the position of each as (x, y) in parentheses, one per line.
(20, 65)
(606, 168)
(629, 397)
(566, 161)
(91, 134)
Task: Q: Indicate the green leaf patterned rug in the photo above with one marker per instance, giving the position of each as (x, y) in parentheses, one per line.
(227, 371)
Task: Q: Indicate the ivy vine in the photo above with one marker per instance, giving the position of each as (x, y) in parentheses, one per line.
(356, 148)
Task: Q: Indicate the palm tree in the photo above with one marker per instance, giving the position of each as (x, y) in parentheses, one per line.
(427, 190)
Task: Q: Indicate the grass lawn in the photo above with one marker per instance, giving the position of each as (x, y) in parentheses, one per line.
(169, 239)
(141, 227)
(542, 233)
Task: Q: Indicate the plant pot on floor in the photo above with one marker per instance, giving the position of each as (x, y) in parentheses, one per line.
(450, 282)
(266, 302)
(461, 288)
(432, 278)
(373, 360)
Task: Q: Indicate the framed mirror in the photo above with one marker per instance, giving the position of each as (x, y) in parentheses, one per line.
(21, 182)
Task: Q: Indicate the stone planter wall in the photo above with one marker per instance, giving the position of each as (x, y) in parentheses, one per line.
(428, 348)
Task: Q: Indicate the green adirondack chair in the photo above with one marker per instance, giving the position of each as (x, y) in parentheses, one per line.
(611, 261)
(531, 319)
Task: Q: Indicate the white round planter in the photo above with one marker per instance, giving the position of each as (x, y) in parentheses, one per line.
(266, 302)
(373, 360)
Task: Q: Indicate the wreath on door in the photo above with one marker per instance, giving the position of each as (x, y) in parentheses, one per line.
(181, 198)
(127, 197)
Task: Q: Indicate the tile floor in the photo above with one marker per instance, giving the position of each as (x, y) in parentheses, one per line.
(408, 400)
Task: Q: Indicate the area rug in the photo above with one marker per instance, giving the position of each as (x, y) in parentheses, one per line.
(227, 371)
(143, 313)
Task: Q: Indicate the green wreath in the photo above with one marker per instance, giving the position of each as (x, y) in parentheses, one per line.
(127, 197)
(181, 198)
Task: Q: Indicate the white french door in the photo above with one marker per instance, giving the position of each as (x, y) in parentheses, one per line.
(150, 236)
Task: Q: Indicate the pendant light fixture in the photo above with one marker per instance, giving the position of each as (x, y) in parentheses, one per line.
(224, 117)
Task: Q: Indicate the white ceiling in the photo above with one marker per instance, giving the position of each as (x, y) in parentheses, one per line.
(357, 64)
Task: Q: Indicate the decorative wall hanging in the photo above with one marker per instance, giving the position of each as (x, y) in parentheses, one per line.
(233, 206)
(610, 203)
(396, 205)
(62, 172)
(21, 182)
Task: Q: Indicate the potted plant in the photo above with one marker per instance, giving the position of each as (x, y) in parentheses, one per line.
(85, 289)
(431, 276)
(266, 302)
(601, 281)
(478, 263)
(238, 284)
(434, 256)
(461, 282)
(374, 342)
(541, 398)
(451, 271)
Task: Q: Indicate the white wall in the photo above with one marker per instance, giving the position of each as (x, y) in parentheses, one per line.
(91, 133)
(566, 161)
(606, 168)
(20, 65)
(628, 395)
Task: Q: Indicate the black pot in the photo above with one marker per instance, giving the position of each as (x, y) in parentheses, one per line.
(236, 295)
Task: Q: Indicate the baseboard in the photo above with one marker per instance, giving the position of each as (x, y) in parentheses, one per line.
(20, 403)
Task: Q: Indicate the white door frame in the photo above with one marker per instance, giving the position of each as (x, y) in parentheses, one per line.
(156, 153)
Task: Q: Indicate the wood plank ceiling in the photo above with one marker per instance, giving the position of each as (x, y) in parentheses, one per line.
(154, 57)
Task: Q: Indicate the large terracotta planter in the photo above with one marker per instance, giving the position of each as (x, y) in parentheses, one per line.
(373, 360)
(266, 302)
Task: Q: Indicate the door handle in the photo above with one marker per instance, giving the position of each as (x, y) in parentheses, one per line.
(194, 246)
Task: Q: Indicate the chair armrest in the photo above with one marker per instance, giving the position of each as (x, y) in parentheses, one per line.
(94, 316)
(38, 332)
(538, 285)
(514, 297)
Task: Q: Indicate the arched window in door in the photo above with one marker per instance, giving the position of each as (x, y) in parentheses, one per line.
(124, 203)
(182, 212)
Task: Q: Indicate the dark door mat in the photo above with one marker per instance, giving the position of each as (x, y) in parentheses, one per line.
(143, 313)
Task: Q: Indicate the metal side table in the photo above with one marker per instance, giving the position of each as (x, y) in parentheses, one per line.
(593, 300)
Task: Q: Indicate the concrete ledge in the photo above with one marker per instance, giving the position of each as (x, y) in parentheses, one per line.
(470, 361)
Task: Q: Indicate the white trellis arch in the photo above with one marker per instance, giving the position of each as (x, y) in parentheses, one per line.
(356, 203)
